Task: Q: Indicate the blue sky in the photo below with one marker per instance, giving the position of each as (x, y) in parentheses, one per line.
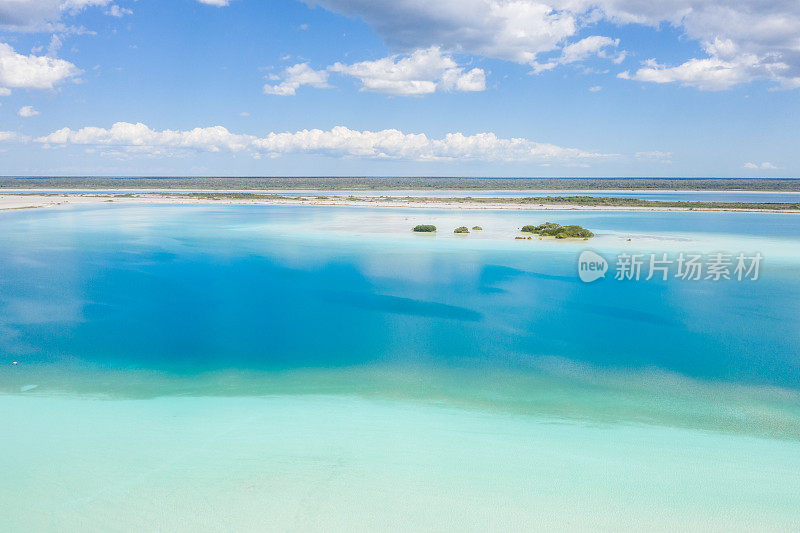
(370, 87)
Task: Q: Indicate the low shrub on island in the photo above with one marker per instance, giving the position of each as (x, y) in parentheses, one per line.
(551, 229)
(477, 228)
(424, 228)
(461, 229)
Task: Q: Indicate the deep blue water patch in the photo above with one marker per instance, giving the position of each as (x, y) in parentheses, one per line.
(191, 289)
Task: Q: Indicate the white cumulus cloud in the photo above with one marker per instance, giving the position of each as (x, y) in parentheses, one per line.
(339, 141)
(27, 111)
(295, 76)
(742, 40)
(115, 11)
(766, 165)
(40, 15)
(422, 72)
(722, 70)
(31, 71)
(515, 30)
(595, 45)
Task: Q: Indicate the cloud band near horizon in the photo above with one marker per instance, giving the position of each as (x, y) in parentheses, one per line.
(338, 141)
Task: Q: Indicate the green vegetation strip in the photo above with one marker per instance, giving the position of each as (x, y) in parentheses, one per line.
(533, 201)
(424, 228)
(588, 201)
(551, 229)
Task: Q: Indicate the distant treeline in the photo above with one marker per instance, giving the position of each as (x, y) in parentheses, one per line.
(384, 183)
(635, 202)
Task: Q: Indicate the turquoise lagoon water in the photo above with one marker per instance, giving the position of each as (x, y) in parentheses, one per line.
(318, 368)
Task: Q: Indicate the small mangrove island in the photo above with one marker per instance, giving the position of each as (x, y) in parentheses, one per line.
(461, 229)
(424, 228)
(551, 229)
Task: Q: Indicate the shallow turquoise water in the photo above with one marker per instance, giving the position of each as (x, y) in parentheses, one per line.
(297, 367)
(322, 463)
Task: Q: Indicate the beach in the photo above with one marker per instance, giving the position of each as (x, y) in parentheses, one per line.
(33, 200)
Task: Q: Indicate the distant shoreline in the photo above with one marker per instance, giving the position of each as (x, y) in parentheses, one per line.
(377, 192)
(377, 184)
(44, 200)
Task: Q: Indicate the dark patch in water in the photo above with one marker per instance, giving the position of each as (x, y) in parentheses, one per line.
(493, 274)
(626, 314)
(491, 290)
(553, 277)
(404, 306)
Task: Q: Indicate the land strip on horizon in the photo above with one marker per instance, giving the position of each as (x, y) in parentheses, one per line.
(406, 183)
(588, 203)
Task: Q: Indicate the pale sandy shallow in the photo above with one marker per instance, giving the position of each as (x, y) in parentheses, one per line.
(31, 201)
(321, 463)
